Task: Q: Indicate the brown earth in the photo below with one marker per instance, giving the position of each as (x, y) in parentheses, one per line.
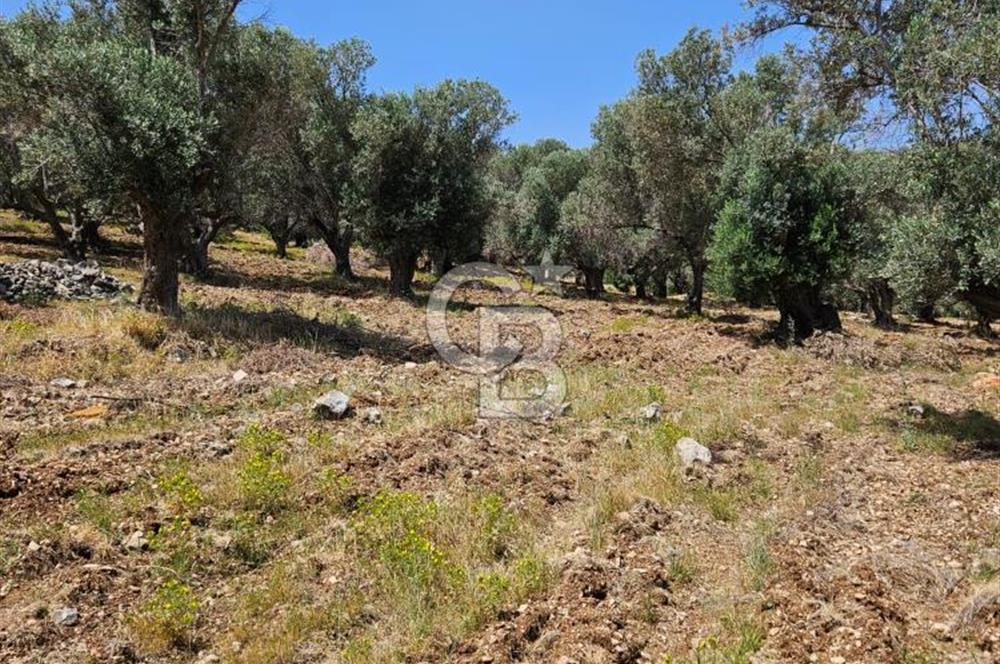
(852, 513)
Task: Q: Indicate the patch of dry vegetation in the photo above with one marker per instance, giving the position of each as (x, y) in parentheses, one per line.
(197, 513)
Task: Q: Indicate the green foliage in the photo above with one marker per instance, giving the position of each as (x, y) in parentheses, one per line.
(174, 545)
(419, 177)
(168, 618)
(263, 482)
(741, 639)
(395, 530)
(96, 509)
(783, 233)
(183, 495)
(529, 185)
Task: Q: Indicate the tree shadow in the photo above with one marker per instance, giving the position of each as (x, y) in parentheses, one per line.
(976, 434)
(325, 284)
(344, 337)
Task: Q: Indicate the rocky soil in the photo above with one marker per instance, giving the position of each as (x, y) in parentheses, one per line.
(841, 502)
(40, 281)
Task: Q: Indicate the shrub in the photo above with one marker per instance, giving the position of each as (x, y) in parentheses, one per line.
(395, 531)
(168, 618)
(181, 492)
(263, 483)
(496, 526)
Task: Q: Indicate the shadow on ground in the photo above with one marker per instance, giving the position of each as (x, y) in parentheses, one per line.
(976, 434)
(343, 337)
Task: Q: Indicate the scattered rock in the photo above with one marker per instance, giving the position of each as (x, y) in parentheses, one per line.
(66, 617)
(652, 412)
(136, 541)
(222, 541)
(240, 376)
(64, 383)
(40, 281)
(373, 415)
(332, 406)
(916, 409)
(691, 452)
(941, 631)
(179, 355)
(220, 448)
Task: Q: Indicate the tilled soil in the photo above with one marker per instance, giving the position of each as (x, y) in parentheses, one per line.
(876, 551)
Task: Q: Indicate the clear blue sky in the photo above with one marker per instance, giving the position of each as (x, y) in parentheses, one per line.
(557, 61)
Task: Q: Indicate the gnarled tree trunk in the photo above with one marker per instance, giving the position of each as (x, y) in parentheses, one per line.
(339, 245)
(661, 288)
(441, 263)
(593, 281)
(881, 300)
(196, 259)
(342, 254)
(697, 293)
(804, 313)
(402, 266)
(162, 243)
(926, 313)
(986, 301)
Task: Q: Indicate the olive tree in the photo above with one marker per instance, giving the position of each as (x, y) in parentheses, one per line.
(934, 68)
(529, 185)
(125, 119)
(680, 144)
(419, 178)
(28, 78)
(783, 232)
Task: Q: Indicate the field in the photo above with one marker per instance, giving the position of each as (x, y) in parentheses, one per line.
(186, 512)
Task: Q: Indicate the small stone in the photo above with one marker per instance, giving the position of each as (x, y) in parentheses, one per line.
(136, 541)
(373, 415)
(222, 541)
(652, 412)
(240, 376)
(941, 631)
(837, 660)
(64, 383)
(331, 406)
(691, 452)
(66, 617)
(179, 355)
(220, 448)
(916, 409)
(208, 658)
(409, 366)
(34, 547)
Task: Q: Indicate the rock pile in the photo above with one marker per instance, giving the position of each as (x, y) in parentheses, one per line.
(40, 281)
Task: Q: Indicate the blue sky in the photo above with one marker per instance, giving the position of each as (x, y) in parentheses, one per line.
(557, 61)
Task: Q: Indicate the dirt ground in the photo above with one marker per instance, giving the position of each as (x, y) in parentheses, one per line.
(185, 512)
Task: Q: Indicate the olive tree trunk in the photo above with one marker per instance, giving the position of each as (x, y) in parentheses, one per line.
(402, 266)
(593, 281)
(339, 245)
(881, 300)
(162, 243)
(986, 301)
(696, 294)
(804, 313)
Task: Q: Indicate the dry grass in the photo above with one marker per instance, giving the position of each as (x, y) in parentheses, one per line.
(403, 541)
